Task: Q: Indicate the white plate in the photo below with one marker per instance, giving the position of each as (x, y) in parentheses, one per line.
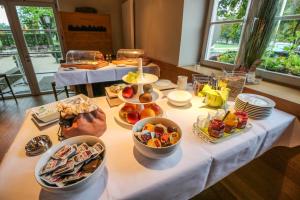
(163, 83)
(179, 97)
(156, 95)
(40, 123)
(254, 108)
(256, 100)
(242, 104)
(46, 113)
(123, 122)
(146, 79)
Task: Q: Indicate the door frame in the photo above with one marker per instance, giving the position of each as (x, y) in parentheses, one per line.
(13, 19)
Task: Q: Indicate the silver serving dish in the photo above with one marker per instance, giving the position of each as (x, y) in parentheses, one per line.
(38, 145)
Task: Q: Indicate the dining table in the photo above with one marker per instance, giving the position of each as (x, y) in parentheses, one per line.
(196, 165)
(72, 76)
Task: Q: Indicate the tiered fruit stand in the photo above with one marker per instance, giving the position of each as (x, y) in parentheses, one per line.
(141, 80)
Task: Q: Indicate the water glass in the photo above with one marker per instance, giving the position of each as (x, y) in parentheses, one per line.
(182, 82)
(198, 82)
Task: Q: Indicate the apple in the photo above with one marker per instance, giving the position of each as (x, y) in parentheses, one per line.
(147, 112)
(145, 98)
(127, 92)
(133, 117)
(156, 109)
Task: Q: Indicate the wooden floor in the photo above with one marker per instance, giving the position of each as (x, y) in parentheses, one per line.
(11, 117)
(275, 175)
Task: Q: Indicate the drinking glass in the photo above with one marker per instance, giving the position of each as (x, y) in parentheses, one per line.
(198, 82)
(235, 81)
(182, 82)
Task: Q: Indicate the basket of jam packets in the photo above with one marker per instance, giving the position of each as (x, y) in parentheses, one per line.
(71, 164)
(156, 137)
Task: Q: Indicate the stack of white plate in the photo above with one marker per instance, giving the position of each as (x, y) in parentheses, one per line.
(257, 107)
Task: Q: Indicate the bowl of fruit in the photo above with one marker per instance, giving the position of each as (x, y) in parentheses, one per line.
(129, 113)
(156, 137)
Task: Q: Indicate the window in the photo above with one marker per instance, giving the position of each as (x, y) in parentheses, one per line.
(225, 31)
(283, 52)
(229, 26)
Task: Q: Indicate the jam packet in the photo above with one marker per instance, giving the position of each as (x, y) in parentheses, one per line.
(82, 157)
(91, 166)
(65, 152)
(52, 165)
(53, 180)
(76, 177)
(64, 169)
(98, 147)
(82, 147)
(75, 170)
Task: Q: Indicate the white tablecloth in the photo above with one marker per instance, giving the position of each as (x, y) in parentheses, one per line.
(108, 73)
(194, 167)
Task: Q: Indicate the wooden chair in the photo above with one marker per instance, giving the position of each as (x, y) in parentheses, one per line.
(58, 92)
(9, 86)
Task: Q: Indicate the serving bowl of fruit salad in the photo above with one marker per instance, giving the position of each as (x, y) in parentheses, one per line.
(156, 137)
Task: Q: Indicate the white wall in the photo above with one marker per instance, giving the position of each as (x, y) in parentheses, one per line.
(158, 28)
(111, 7)
(171, 30)
(193, 25)
(128, 24)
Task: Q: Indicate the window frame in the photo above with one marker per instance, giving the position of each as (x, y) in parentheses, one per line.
(247, 22)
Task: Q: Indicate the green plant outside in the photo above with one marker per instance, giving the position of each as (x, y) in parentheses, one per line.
(288, 32)
(227, 57)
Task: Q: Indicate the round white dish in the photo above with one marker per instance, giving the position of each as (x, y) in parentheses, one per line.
(150, 152)
(90, 140)
(179, 98)
(123, 122)
(156, 95)
(145, 79)
(163, 83)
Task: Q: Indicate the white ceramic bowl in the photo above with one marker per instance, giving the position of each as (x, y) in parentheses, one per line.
(179, 98)
(90, 140)
(151, 152)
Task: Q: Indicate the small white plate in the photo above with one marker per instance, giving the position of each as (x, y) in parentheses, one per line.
(163, 83)
(146, 79)
(40, 123)
(123, 122)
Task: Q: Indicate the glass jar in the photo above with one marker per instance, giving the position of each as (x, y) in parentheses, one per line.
(235, 81)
